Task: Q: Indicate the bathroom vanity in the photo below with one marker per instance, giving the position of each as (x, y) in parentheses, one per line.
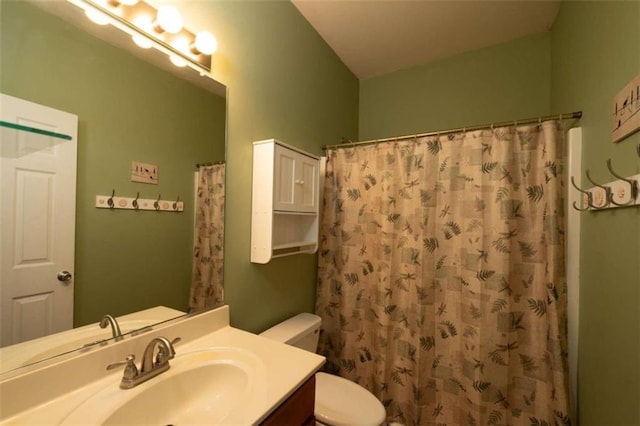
(220, 375)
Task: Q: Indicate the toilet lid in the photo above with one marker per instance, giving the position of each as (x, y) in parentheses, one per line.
(340, 402)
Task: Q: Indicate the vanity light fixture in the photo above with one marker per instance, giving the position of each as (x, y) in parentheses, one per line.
(160, 28)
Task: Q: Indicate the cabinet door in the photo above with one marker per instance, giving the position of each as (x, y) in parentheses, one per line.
(297, 409)
(307, 184)
(295, 181)
(284, 179)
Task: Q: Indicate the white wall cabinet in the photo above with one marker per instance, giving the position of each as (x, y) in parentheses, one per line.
(285, 200)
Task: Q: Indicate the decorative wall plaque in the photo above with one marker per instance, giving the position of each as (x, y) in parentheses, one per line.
(626, 111)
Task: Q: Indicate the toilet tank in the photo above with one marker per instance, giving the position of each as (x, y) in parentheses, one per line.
(301, 331)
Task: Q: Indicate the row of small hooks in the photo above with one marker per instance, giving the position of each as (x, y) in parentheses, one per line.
(137, 203)
(618, 193)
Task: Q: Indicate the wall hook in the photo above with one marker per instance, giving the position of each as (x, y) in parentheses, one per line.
(588, 194)
(110, 200)
(175, 203)
(134, 203)
(156, 204)
(608, 196)
(633, 185)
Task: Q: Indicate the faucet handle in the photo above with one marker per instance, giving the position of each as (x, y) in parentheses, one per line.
(164, 353)
(130, 371)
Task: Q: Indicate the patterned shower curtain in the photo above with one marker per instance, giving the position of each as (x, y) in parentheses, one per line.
(208, 257)
(441, 280)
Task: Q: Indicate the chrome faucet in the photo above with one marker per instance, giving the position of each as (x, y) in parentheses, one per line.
(149, 367)
(115, 328)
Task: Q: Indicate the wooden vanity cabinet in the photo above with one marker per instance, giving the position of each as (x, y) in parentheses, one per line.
(297, 409)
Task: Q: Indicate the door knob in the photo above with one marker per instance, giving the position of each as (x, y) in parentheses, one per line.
(64, 276)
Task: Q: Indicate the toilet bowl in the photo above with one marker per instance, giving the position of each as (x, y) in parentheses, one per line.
(339, 402)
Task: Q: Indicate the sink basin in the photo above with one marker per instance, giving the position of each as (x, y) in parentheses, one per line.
(203, 387)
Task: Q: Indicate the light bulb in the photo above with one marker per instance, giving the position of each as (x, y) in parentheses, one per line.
(118, 3)
(182, 46)
(169, 19)
(145, 23)
(177, 61)
(97, 17)
(205, 43)
(142, 41)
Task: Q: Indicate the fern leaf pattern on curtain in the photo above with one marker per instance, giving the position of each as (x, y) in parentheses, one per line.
(441, 276)
(207, 288)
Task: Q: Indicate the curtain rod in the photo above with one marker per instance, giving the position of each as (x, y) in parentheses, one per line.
(565, 116)
(198, 165)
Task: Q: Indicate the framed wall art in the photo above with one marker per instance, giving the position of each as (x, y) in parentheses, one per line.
(626, 111)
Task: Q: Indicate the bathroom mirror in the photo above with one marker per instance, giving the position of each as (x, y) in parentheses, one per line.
(128, 110)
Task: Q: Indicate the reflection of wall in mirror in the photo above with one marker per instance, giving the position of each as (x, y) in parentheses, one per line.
(127, 110)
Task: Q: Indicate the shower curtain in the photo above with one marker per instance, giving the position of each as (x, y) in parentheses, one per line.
(441, 280)
(208, 256)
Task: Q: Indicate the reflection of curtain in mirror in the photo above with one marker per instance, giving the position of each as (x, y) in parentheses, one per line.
(441, 280)
(208, 257)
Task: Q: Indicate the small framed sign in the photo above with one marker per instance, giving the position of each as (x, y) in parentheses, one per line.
(143, 172)
(626, 111)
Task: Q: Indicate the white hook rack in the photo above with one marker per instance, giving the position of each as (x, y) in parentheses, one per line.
(135, 203)
(618, 194)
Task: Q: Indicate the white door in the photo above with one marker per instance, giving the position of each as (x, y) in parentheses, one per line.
(38, 149)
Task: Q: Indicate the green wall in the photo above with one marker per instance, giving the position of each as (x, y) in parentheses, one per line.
(285, 83)
(595, 53)
(128, 110)
(501, 83)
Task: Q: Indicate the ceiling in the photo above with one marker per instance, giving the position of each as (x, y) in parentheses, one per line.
(376, 37)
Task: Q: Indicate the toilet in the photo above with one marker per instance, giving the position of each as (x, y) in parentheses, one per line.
(339, 402)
